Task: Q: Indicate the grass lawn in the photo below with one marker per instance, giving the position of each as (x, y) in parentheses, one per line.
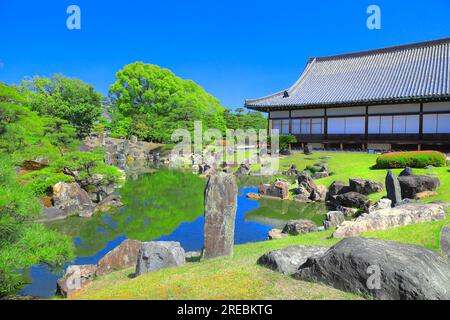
(239, 277)
(359, 165)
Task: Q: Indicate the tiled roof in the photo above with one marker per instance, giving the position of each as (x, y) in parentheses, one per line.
(404, 73)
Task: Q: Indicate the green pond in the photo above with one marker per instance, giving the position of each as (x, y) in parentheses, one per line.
(165, 205)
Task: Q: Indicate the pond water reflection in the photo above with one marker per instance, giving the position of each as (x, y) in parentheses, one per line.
(168, 206)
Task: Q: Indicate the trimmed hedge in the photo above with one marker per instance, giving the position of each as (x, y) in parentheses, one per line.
(413, 159)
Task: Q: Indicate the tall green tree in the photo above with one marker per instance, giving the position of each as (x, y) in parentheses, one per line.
(66, 98)
(23, 242)
(151, 102)
(61, 134)
(238, 119)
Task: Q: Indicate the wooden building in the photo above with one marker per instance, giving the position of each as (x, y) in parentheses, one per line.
(391, 98)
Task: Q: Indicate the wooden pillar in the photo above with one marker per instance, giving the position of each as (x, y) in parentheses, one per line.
(325, 124)
(366, 132)
(421, 122)
(290, 124)
(342, 146)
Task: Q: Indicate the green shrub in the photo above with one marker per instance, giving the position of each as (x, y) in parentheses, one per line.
(286, 140)
(313, 169)
(41, 182)
(24, 243)
(414, 159)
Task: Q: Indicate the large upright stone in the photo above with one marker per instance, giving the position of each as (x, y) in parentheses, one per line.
(220, 213)
(394, 192)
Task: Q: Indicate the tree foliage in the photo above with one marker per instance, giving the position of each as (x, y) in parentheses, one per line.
(286, 140)
(65, 98)
(28, 135)
(22, 131)
(87, 168)
(151, 102)
(245, 121)
(23, 242)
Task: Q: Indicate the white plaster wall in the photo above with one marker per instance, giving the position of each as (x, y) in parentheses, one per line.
(436, 106)
(394, 108)
(279, 114)
(308, 113)
(348, 111)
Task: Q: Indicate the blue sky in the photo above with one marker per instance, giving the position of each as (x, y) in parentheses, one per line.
(234, 49)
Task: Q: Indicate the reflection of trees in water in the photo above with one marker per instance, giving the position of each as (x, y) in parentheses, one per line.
(154, 205)
(255, 181)
(277, 212)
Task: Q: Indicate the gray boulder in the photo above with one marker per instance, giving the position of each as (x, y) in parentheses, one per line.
(123, 256)
(75, 278)
(220, 214)
(333, 219)
(289, 259)
(319, 194)
(276, 234)
(445, 241)
(405, 201)
(306, 181)
(337, 188)
(353, 200)
(71, 199)
(156, 255)
(412, 185)
(108, 203)
(292, 171)
(389, 218)
(381, 204)
(243, 170)
(308, 149)
(323, 171)
(394, 191)
(365, 187)
(382, 269)
(278, 189)
(307, 189)
(295, 227)
(320, 175)
(406, 172)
